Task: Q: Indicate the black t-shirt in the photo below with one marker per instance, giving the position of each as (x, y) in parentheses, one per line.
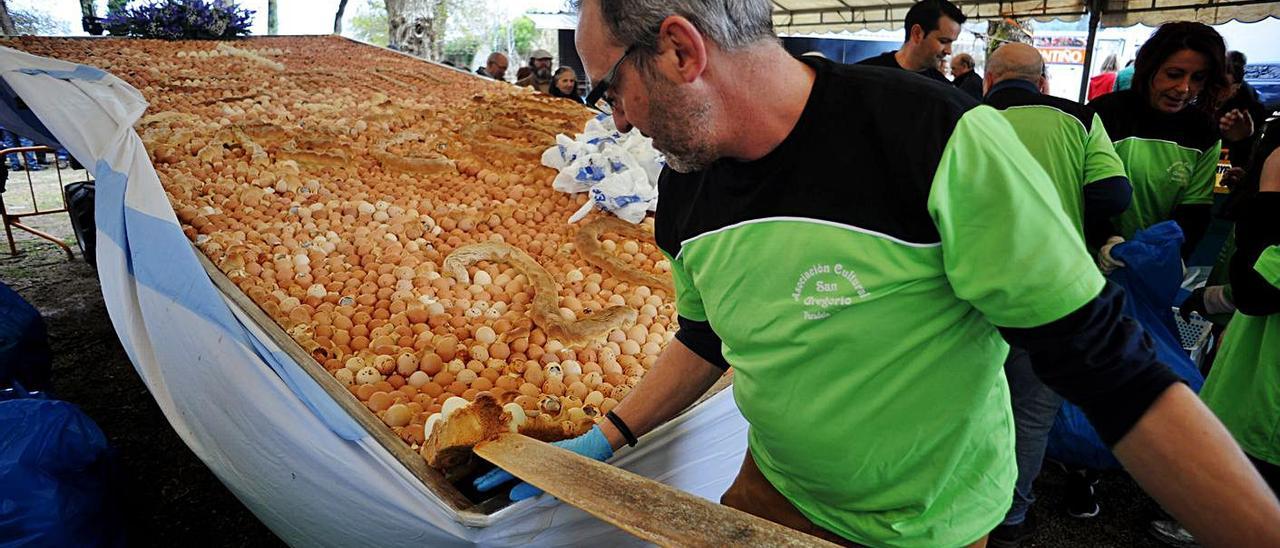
(1128, 115)
(1245, 100)
(970, 83)
(887, 59)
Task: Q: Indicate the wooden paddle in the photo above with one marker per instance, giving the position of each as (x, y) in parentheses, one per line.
(645, 508)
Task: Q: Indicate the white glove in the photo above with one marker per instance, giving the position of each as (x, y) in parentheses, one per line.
(1107, 263)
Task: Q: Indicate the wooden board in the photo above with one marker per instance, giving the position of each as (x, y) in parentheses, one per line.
(648, 509)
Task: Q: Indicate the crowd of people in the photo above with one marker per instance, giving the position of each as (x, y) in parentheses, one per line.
(909, 284)
(537, 74)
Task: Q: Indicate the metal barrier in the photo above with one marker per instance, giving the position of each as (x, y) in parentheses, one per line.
(14, 220)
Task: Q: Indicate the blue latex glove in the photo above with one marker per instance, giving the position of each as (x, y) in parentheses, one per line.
(591, 445)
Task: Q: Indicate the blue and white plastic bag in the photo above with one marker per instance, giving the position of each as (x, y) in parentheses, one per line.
(619, 170)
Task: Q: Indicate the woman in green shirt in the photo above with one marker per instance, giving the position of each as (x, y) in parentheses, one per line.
(1244, 387)
(1165, 132)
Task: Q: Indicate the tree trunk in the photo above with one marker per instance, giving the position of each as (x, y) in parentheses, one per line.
(6, 22)
(417, 26)
(395, 20)
(1007, 30)
(273, 19)
(337, 19)
(437, 29)
(87, 9)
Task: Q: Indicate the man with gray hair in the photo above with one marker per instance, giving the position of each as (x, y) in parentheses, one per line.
(1071, 144)
(495, 66)
(964, 76)
(858, 244)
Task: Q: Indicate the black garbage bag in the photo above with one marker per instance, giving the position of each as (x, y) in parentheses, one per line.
(24, 343)
(58, 479)
(80, 205)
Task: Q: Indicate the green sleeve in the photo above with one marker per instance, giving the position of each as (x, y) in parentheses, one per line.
(1007, 244)
(1200, 189)
(688, 300)
(1268, 265)
(1100, 158)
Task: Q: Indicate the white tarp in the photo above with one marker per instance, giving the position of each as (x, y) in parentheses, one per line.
(265, 428)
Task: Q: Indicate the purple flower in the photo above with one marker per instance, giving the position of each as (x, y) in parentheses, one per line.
(182, 19)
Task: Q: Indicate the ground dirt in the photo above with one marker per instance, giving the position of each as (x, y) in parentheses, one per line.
(169, 497)
(172, 499)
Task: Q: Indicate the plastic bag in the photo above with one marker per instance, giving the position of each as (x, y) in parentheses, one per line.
(619, 170)
(24, 343)
(1151, 282)
(56, 476)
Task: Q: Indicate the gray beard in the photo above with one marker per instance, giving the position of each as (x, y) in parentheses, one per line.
(681, 140)
(687, 164)
(680, 129)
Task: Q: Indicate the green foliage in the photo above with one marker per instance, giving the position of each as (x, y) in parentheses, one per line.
(518, 36)
(114, 6)
(468, 25)
(460, 50)
(370, 23)
(523, 33)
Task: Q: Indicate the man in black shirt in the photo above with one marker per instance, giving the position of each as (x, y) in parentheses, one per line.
(966, 78)
(931, 25)
(494, 67)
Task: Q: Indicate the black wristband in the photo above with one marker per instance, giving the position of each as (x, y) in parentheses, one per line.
(622, 428)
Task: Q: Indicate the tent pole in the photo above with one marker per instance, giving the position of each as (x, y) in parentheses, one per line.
(1095, 17)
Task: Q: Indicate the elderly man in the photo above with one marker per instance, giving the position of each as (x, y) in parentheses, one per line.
(964, 76)
(494, 67)
(931, 26)
(1071, 144)
(857, 244)
(540, 77)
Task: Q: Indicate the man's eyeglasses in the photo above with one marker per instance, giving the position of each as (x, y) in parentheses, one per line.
(600, 90)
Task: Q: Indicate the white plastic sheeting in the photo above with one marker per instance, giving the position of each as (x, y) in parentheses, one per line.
(264, 427)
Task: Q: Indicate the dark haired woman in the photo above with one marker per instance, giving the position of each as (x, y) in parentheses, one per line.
(564, 84)
(1166, 134)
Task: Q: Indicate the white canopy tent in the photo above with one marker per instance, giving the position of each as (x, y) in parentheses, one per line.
(810, 16)
(813, 16)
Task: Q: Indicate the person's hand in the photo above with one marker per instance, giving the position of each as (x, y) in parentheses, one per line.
(1232, 177)
(1194, 303)
(1107, 263)
(1236, 125)
(591, 445)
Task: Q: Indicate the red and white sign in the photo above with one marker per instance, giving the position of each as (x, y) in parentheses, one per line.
(1063, 56)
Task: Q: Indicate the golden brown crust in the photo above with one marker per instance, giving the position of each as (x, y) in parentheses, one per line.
(330, 193)
(451, 440)
(588, 244)
(545, 309)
